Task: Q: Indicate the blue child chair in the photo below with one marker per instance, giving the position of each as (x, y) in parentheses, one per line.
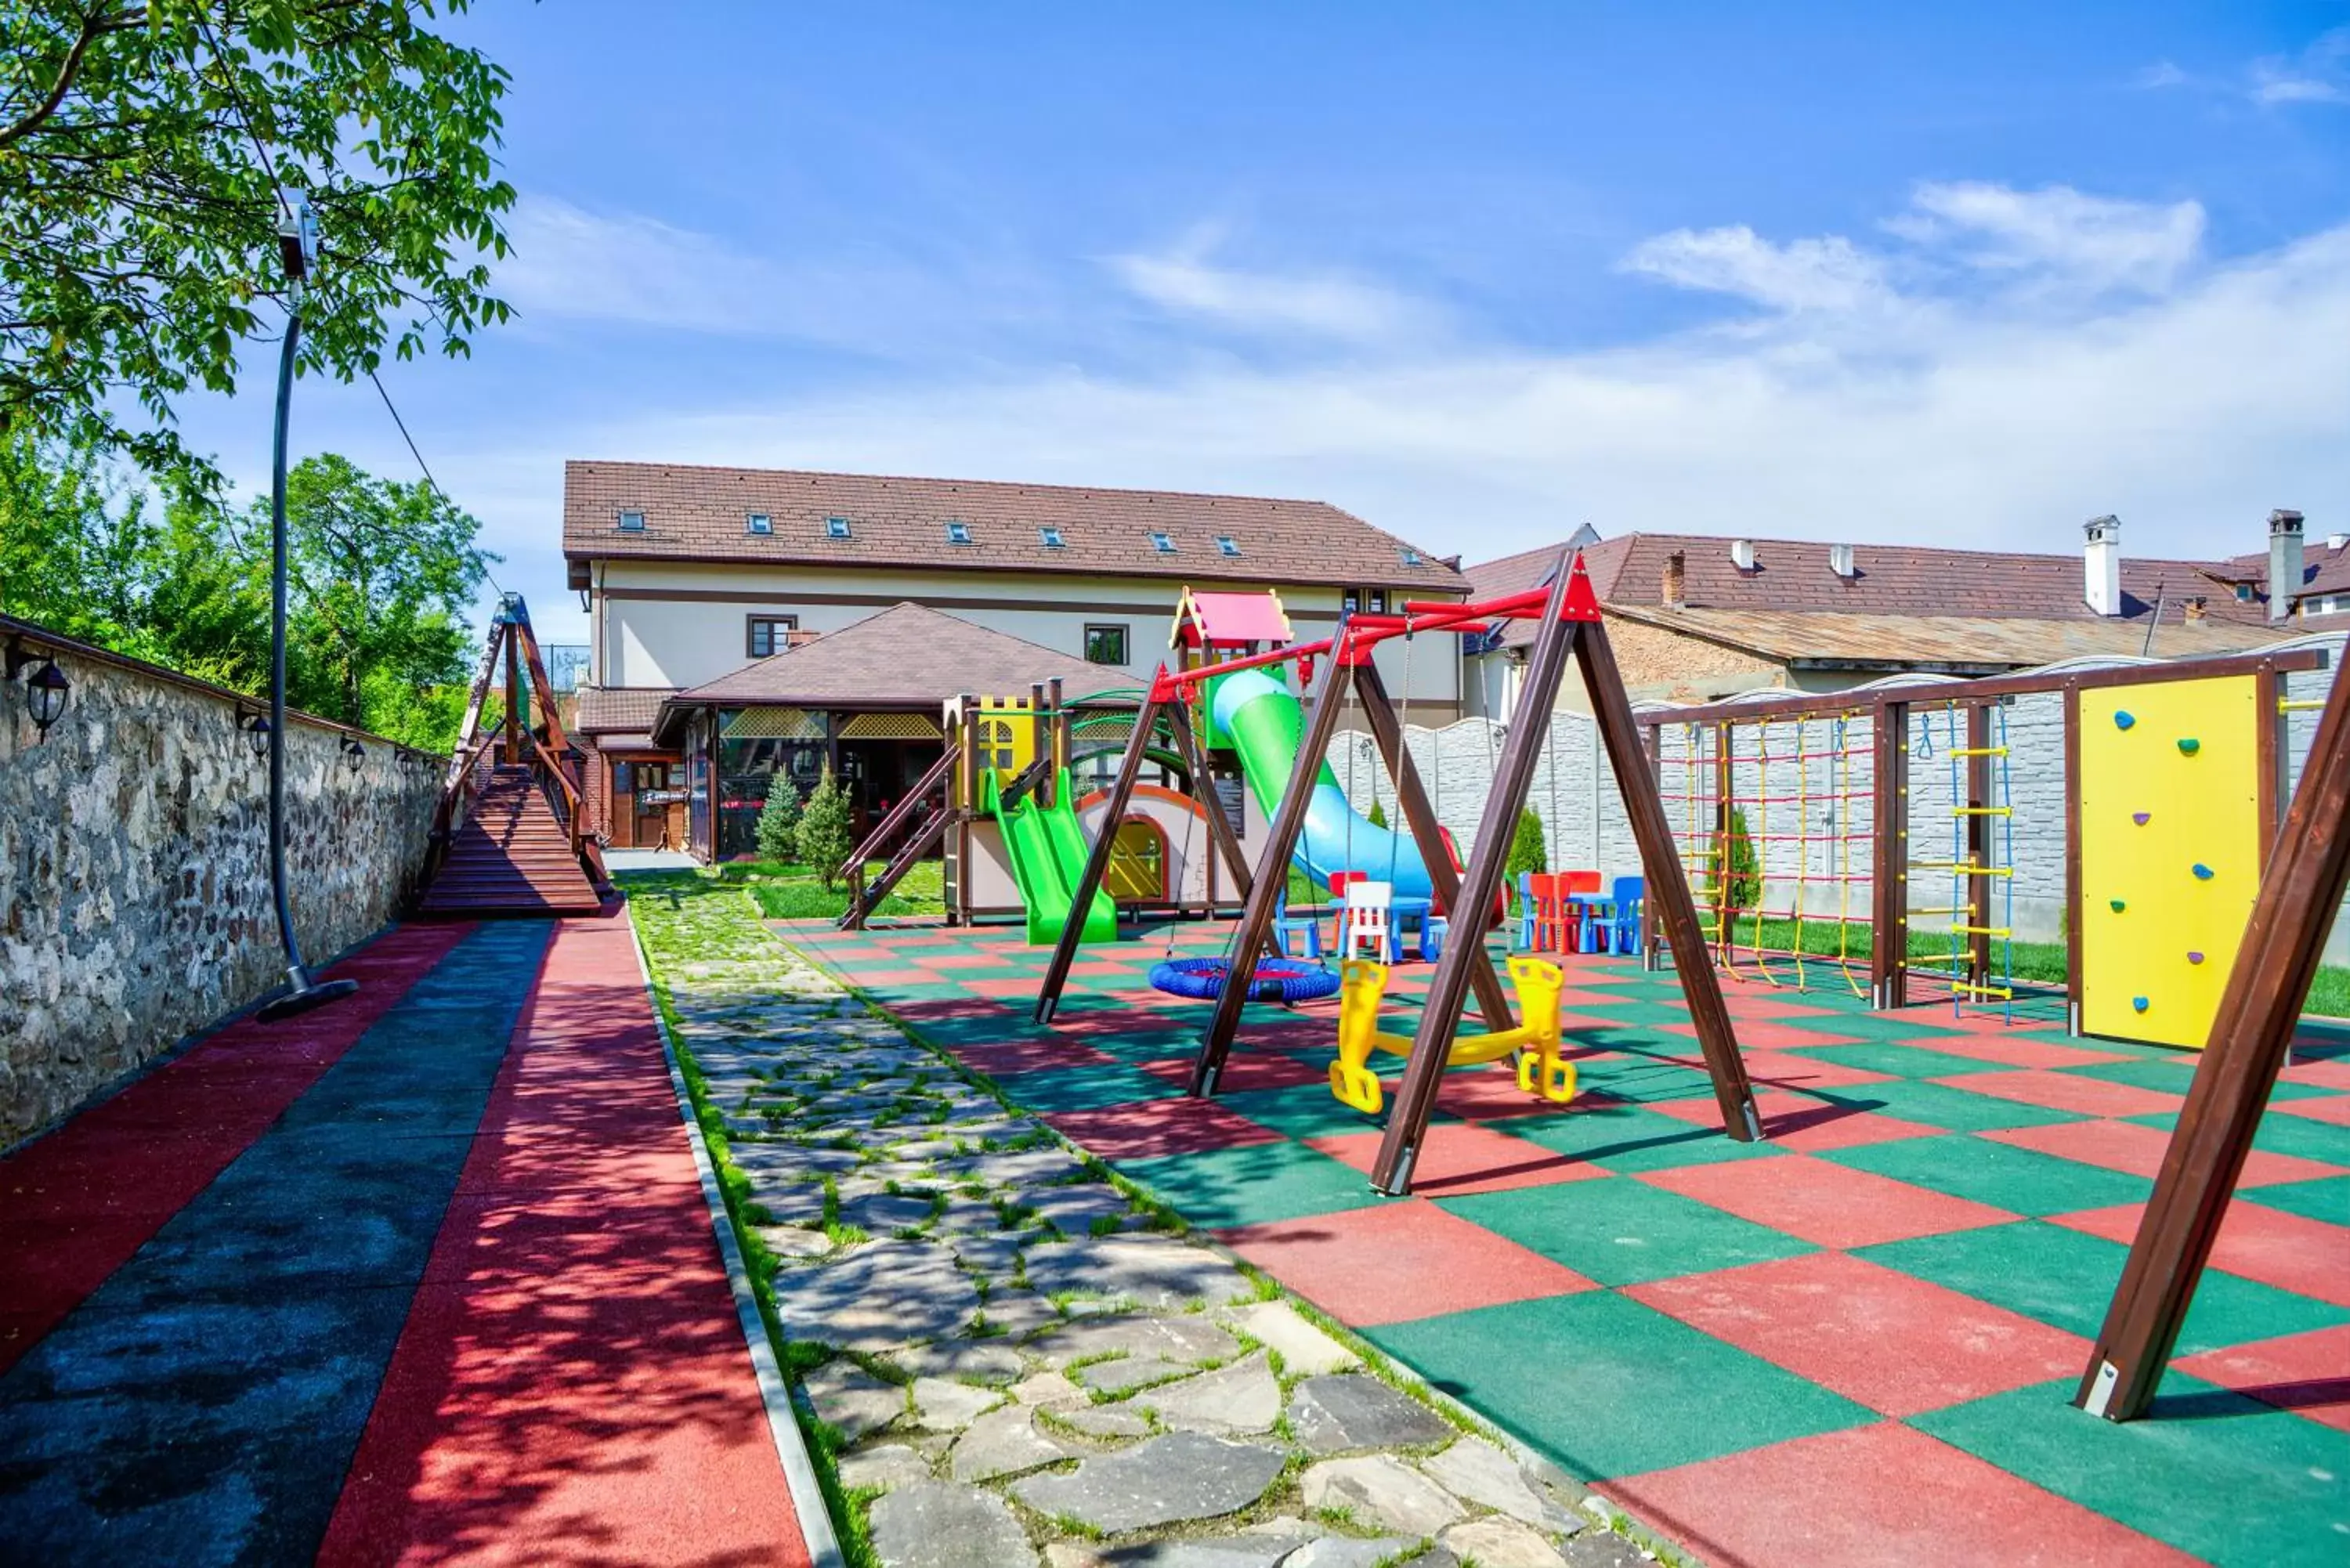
(1526, 921)
(1284, 926)
(1631, 895)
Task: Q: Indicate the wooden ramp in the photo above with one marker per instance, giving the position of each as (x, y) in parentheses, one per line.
(511, 858)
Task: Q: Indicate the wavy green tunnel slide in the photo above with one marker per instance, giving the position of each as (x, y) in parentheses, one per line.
(1048, 851)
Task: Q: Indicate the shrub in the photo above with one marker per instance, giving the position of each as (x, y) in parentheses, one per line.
(821, 838)
(1527, 852)
(1745, 869)
(779, 819)
(1379, 817)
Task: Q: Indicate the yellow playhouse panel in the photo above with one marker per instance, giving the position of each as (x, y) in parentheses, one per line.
(1006, 735)
(2170, 853)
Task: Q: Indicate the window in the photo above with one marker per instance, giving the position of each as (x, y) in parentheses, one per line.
(1354, 600)
(758, 523)
(836, 527)
(958, 532)
(1051, 538)
(1408, 556)
(632, 522)
(1106, 644)
(2332, 604)
(2243, 593)
(1228, 545)
(1161, 541)
(771, 634)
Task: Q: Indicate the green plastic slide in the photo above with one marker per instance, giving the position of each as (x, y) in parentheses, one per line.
(1048, 851)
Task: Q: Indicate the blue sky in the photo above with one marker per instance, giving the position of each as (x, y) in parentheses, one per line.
(1479, 273)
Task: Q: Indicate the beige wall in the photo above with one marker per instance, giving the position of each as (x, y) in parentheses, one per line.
(1658, 665)
(700, 635)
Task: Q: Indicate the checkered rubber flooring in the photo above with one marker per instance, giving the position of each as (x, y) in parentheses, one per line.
(1855, 1344)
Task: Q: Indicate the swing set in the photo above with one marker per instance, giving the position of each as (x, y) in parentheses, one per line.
(1567, 614)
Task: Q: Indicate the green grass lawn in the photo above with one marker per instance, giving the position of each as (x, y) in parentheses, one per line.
(789, 892)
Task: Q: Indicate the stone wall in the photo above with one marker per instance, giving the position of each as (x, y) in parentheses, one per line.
(1814, 832)
(134, 871)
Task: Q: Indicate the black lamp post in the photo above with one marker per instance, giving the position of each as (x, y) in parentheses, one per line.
(299, 244)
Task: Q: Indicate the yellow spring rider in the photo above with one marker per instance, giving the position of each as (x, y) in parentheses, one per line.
(1536, 1039)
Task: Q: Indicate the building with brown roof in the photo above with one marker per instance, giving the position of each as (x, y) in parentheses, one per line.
(703, 584)
(1696, 618)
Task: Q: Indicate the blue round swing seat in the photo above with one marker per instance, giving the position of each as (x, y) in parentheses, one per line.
(1276, 980)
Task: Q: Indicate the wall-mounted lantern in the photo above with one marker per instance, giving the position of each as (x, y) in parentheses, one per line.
(256, 734)
(46, 686)
(353, 752)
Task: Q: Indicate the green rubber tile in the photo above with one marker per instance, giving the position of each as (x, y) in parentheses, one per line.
(2173, 1074)
(1899, 1060)
(2296, 1136)
(1252, 1185)
(1082, 1088)
(1307, 1110)
(1643, 1079)
(1606, 1387)
(2225, 1478)
(2326, 1198)
(1141, 1044)
(1945, 1106)
(1624, 1233)
(2065, 1279)
(2020, 1181)
(1632, 1138)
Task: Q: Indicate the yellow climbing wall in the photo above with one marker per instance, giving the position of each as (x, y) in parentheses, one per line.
(2170, 846)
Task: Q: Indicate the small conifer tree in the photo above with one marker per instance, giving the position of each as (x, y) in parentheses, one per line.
(1379, 817)
(822, 836)
(779, 819)
(1744, 870)
(1527, 852)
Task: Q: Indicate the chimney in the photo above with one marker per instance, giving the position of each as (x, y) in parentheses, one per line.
(1841, 563)
(2285, 562)
(2101, 563)
(1676, 565)
(1741, 554)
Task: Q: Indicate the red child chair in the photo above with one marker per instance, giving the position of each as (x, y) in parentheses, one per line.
(1570, 913)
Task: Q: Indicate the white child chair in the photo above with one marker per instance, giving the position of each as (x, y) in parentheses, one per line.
(1368, 920)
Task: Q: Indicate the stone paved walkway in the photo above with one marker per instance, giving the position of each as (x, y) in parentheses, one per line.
(1021, 1365)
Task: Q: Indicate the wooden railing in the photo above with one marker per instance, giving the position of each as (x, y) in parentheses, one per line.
(862, 900)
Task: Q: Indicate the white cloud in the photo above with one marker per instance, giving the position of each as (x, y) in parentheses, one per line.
(2161, 74)
(1326, 305)
(1827, 274)
(568, 261)
(2092, 240)
(2319, 74)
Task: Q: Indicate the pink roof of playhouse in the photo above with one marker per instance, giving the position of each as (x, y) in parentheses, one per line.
(1230, 619)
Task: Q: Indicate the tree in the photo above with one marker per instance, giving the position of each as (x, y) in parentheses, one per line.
(779, 819)
(76, 544)
(822, 837)
(1379, 817)
(142, 153)
(1743, 870)
(1528, 851)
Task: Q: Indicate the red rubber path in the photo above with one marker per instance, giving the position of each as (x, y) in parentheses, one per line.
(572, 1384)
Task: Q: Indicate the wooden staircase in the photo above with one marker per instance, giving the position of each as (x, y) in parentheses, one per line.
(511, 856)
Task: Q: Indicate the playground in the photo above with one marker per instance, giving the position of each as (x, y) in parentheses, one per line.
(1855, 1340)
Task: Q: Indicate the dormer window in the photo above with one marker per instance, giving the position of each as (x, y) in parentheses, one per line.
(1163, 542)
(958, 532)
(1408, 556)
(1227, 545)
(632, 522)
(836, 527)
(1051, 538)
(758, 523)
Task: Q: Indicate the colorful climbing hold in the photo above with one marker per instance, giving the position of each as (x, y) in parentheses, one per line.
(2194, 958)
(2124, 719)
(2117, 904)
(2202, 872)
(2140, 1003)
(2140, 818)
(2189, 744)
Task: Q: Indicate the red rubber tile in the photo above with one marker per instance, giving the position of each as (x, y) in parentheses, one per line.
(1403, 1259)
(1150, 1128)
(2325, 1073)
(1780, 1070)
(1488, 1095)
(572, 1383)
(960, 961)
(1874, 1495)
(2017, 1051)
(2308, 1373)
(2069, 1092)
(1803, 1123)
(2139, 1151)
(1244, 1071)
(1771, 1007)
(76, 1203)
(2293, 1253)
(2333, 1109)
(1461, 1158)
(1827, 1204)
(1029, 1056)
(1762, 1035)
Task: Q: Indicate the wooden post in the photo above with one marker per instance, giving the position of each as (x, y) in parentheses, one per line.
(1650, 958)
(1470, 926)
(1667, 885)
(2251, 1037)
(1889, 892)
(1089, 882)
(1254, 938)
(1725, 792)
(1040, 741)
(517, 743)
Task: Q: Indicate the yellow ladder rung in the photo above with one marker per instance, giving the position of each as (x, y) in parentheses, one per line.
(1976, 751)
(2301, 705)
(2003, 992)
(1981, 931)
(1982, 811)
(1966, 866)
(1953, 909)
(1938, 958)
